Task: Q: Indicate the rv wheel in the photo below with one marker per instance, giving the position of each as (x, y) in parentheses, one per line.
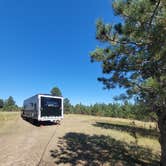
(57, 122)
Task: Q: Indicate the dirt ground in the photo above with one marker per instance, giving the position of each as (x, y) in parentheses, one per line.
(79, 140)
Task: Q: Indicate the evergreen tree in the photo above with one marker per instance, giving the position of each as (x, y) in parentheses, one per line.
(134, 56)
(1, 103)
(67, 105)
(56, 91)
(10, 101)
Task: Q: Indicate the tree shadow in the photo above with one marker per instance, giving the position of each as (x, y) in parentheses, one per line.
(97, 150)
(132, 130)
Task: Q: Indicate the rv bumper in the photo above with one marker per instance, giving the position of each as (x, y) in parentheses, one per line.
(52, 119)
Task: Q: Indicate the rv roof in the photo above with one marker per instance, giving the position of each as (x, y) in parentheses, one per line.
(49, 95)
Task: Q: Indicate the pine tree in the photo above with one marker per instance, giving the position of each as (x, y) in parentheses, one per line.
(10, 101)
(133, 56)
(56, 91)
(1, 103)
(67, 105)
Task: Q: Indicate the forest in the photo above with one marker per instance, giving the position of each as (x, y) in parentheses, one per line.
(126, 110)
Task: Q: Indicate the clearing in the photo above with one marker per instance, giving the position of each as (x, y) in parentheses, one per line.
(79, 140)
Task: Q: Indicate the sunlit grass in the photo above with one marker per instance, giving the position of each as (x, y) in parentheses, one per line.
(116, 128)
(92, 140)
(122, 135)
(4, 116)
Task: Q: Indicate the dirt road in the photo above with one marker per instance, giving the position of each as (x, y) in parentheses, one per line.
(22, 143)
(79, 140)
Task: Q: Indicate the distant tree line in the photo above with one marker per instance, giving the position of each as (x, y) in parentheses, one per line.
(8, 104)
(125, 110)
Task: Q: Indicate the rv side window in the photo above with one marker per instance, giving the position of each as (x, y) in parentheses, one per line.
(34, 106)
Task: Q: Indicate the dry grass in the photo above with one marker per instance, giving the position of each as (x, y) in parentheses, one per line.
(119, 129)
(89, 140)
(4, 116)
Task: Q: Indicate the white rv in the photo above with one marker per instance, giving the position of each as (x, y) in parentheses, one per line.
(43, 108)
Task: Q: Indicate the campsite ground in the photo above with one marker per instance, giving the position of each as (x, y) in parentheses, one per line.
(79, 140)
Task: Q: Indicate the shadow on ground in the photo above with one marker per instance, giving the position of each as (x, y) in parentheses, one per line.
(82, 149)
(132, 130)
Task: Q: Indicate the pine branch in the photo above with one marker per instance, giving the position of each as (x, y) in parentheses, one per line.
(124, 42)
(154, 12)
(147, 89)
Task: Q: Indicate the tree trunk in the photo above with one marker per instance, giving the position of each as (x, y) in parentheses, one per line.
(162, 128)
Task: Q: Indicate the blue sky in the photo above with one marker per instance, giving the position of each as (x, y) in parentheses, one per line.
(46, 43)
